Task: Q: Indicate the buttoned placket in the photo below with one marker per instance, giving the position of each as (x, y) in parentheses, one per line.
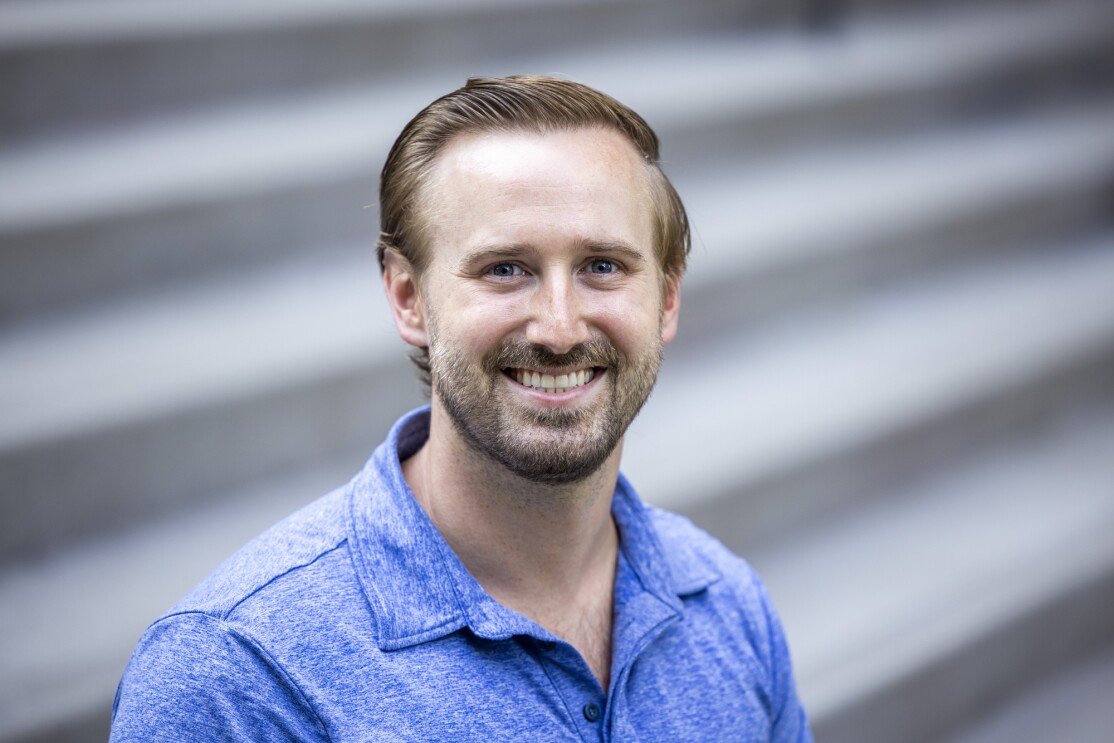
(573, 681)
(640, 617)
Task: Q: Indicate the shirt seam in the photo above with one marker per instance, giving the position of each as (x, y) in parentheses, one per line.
(226, 613)
(278, 667)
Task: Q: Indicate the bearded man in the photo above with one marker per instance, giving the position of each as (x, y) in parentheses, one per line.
(490, 575)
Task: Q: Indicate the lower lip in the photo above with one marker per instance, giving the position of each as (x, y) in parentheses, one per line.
(557, 398)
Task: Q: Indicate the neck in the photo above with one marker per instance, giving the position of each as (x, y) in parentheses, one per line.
(547, 552)
(530, 545)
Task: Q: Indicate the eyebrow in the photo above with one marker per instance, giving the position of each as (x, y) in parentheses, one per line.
(488, 252)
(495, 252)
(632, 255)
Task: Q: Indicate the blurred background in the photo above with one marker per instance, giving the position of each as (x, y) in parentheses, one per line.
(892, 391)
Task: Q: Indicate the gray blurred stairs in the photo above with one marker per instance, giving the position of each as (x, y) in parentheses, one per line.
(1073, 705)
(893, 375)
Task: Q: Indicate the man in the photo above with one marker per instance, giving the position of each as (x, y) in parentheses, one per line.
(490, 575)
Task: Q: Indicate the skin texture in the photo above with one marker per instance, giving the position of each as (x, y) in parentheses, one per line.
(541, 257)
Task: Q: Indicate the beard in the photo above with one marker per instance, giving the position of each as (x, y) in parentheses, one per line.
(544, 445)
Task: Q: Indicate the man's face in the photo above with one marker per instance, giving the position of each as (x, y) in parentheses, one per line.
(543, 297)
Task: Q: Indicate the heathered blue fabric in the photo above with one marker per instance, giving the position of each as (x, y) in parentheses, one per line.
(352, 620)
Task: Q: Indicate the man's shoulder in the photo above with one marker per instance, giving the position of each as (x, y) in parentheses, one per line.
(699, 561)
(732, 589)
(274, 562)
(692, 550)
(218, 663)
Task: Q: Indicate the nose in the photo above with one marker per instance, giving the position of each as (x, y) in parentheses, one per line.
(557, 320)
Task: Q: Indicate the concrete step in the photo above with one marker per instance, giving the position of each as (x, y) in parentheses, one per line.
(764, 93)
(106, 61)
(821, 225)
(798, 420)
(927, 606)
(164, 403)
(1072, 705)
(57, 679)
(262, 182)
(289, 365)
(735, 79)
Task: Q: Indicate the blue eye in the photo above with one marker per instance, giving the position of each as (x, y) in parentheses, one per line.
(602, 266)
(506, 270)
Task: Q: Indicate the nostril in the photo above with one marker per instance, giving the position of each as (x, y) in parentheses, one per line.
(558, 335)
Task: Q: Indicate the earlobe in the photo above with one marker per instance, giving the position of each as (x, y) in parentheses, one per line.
(405, 300)
(670, 309)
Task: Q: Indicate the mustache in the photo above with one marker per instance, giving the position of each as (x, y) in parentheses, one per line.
(522, 355)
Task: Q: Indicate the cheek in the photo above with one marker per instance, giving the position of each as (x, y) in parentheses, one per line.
(475, 322)
(631, 321)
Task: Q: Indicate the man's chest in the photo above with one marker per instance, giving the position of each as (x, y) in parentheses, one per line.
(465, 688)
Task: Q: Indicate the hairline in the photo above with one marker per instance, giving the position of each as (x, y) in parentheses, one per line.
(653, 185)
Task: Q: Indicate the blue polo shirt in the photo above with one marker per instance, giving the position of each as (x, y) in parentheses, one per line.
(353, 620)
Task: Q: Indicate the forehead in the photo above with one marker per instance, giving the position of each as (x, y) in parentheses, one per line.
(584, 152)
(591, 179)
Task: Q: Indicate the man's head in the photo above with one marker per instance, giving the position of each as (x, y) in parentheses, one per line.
(525, 103)
(532, 244)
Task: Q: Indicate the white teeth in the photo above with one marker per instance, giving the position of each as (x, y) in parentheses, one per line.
(551, 382)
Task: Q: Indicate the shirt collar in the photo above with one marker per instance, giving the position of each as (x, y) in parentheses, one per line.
(419, 590)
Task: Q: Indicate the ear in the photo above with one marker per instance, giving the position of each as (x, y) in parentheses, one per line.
(670, 308)
(405, 299)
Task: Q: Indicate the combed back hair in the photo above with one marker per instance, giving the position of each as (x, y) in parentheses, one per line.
(518, 103)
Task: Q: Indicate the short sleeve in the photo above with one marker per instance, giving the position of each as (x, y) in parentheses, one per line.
(789, 723)
(194, 677)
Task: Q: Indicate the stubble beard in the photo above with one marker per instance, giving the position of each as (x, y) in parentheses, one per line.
(552, 446)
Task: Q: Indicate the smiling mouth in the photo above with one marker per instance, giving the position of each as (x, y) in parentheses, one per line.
(551, 382)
